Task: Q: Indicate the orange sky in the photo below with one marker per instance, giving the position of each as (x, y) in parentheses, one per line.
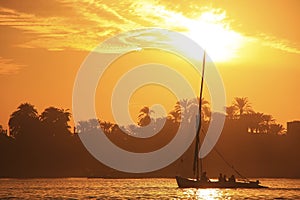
(255, 45)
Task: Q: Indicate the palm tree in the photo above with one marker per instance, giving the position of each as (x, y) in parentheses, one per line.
(94, 124)
(253, 121)
(83, 126)
(55, 120)
(89, 125)
(277, 129)
(144, 116)
(257, 122)
(205, 110)
(266, 122)
(231, 112)
(24, 120)
(106, 126)
(243, 105)
(185, 110)
(175, 114)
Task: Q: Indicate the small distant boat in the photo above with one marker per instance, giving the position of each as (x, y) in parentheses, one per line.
(202, 181)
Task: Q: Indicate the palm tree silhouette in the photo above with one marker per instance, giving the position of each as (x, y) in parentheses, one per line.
(185, 110)
(254, 121)
(243, 105)
(231, 112)
(25, 119)
(277, 129)
(106, 126)
(266, 121)
(55, 120)
(144, 116)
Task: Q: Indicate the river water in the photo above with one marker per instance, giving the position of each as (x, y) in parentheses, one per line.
(83, 188)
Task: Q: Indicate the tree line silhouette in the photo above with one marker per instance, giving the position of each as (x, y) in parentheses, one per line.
(240, 113)
(43, 145)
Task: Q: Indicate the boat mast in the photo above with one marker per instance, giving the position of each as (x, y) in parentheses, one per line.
(197, 144)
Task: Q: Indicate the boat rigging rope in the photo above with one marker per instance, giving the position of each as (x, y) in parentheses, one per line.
(231, 166)
(227, 163)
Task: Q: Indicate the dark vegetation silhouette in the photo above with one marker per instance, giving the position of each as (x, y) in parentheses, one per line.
(144, 116)
(43, 145)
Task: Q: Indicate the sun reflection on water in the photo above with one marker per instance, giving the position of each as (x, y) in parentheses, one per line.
(207, 194)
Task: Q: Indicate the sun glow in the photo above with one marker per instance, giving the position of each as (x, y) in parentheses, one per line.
(210, 29)
(215, 35)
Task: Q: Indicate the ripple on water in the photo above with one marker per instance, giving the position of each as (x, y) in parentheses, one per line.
(82, 188)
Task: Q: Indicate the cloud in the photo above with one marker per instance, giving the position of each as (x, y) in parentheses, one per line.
(89, 22)
(8, 66)
(276, 43)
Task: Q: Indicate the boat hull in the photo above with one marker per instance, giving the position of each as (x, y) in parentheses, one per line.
(191, 183)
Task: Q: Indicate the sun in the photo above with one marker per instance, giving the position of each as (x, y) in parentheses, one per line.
(214, 34)
(209, 28)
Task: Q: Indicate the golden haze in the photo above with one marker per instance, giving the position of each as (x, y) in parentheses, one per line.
(255, 45)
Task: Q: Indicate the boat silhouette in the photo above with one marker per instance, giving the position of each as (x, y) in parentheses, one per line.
(200, 179)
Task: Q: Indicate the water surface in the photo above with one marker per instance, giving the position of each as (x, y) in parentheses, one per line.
(83, 188)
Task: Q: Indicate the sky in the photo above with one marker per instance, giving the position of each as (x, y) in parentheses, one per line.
(254, 44)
